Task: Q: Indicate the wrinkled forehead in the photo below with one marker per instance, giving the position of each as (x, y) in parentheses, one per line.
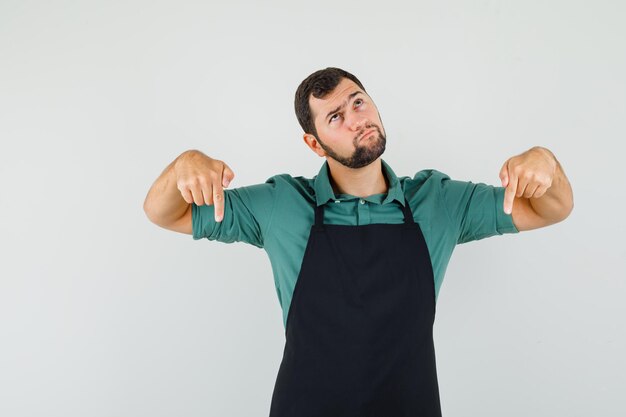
(320, 107)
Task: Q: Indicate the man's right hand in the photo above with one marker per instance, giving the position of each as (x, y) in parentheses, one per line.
(201, 180)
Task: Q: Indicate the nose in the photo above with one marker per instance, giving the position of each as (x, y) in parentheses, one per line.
(359, 122)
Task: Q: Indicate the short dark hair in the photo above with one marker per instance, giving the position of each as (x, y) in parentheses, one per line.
(319, 84)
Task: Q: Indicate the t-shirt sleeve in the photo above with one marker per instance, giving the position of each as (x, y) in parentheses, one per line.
(476, 210)
(247, 215)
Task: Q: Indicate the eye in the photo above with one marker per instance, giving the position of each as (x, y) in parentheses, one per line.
(332, 118)
(358, 100)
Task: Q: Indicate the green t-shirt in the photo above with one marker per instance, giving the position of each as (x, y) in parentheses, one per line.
(277, 216)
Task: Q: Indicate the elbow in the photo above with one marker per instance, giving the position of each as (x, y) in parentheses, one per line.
(147, 209)
(565, 209)
(568, 207)
(564, 212)
(568, 210)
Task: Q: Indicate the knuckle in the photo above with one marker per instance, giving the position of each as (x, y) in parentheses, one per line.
(191, 182)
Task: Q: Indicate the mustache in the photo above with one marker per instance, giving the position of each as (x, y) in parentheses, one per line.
(363, 131)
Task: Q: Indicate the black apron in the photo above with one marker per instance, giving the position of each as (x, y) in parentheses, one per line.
(359, 340)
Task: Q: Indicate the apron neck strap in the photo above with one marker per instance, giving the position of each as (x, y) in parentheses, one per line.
(408, 214)
(319, 215)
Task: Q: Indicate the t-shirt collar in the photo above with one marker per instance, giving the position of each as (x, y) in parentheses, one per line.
(324, 191)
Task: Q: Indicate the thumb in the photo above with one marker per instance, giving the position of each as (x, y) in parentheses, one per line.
(504, 174)
(227, 176)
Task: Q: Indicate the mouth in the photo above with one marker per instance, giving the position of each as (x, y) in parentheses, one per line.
(367, 133)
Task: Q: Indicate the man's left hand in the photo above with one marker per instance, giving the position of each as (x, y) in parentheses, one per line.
(527, 175)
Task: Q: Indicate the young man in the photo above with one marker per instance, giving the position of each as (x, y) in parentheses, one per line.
(358, 253)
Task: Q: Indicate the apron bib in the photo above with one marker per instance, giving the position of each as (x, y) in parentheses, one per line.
(359, 331)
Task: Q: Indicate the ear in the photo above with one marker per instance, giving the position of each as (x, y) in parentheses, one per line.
(312, 143)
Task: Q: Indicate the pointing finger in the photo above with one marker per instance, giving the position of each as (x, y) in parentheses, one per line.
(509, 194)
(218, 201)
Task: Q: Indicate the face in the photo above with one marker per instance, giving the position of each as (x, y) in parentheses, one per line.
(348, 126)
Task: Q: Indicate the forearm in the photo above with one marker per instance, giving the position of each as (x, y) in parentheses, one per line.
(164, 203)
(558, 201)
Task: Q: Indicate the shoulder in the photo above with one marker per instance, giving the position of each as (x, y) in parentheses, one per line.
(288, 185)
(429, 175)
(289, 180)
(424, 180)
(278, 183)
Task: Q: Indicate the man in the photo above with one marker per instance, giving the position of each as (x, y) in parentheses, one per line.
(358, 253)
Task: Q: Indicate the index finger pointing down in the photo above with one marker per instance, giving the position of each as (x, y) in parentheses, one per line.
(509, 194)
(218, 201)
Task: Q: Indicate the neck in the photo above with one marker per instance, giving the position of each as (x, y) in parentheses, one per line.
(360, 182)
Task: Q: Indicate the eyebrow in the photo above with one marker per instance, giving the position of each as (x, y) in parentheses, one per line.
(341, 106)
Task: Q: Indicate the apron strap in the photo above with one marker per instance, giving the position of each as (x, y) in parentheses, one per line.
(319, 215)
(408, 214)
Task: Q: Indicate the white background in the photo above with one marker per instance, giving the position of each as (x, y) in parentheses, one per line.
(102, 313)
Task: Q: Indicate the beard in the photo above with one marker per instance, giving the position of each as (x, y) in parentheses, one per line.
(364, 154)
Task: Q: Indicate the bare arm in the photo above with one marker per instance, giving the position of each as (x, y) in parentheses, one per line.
(192, 177)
